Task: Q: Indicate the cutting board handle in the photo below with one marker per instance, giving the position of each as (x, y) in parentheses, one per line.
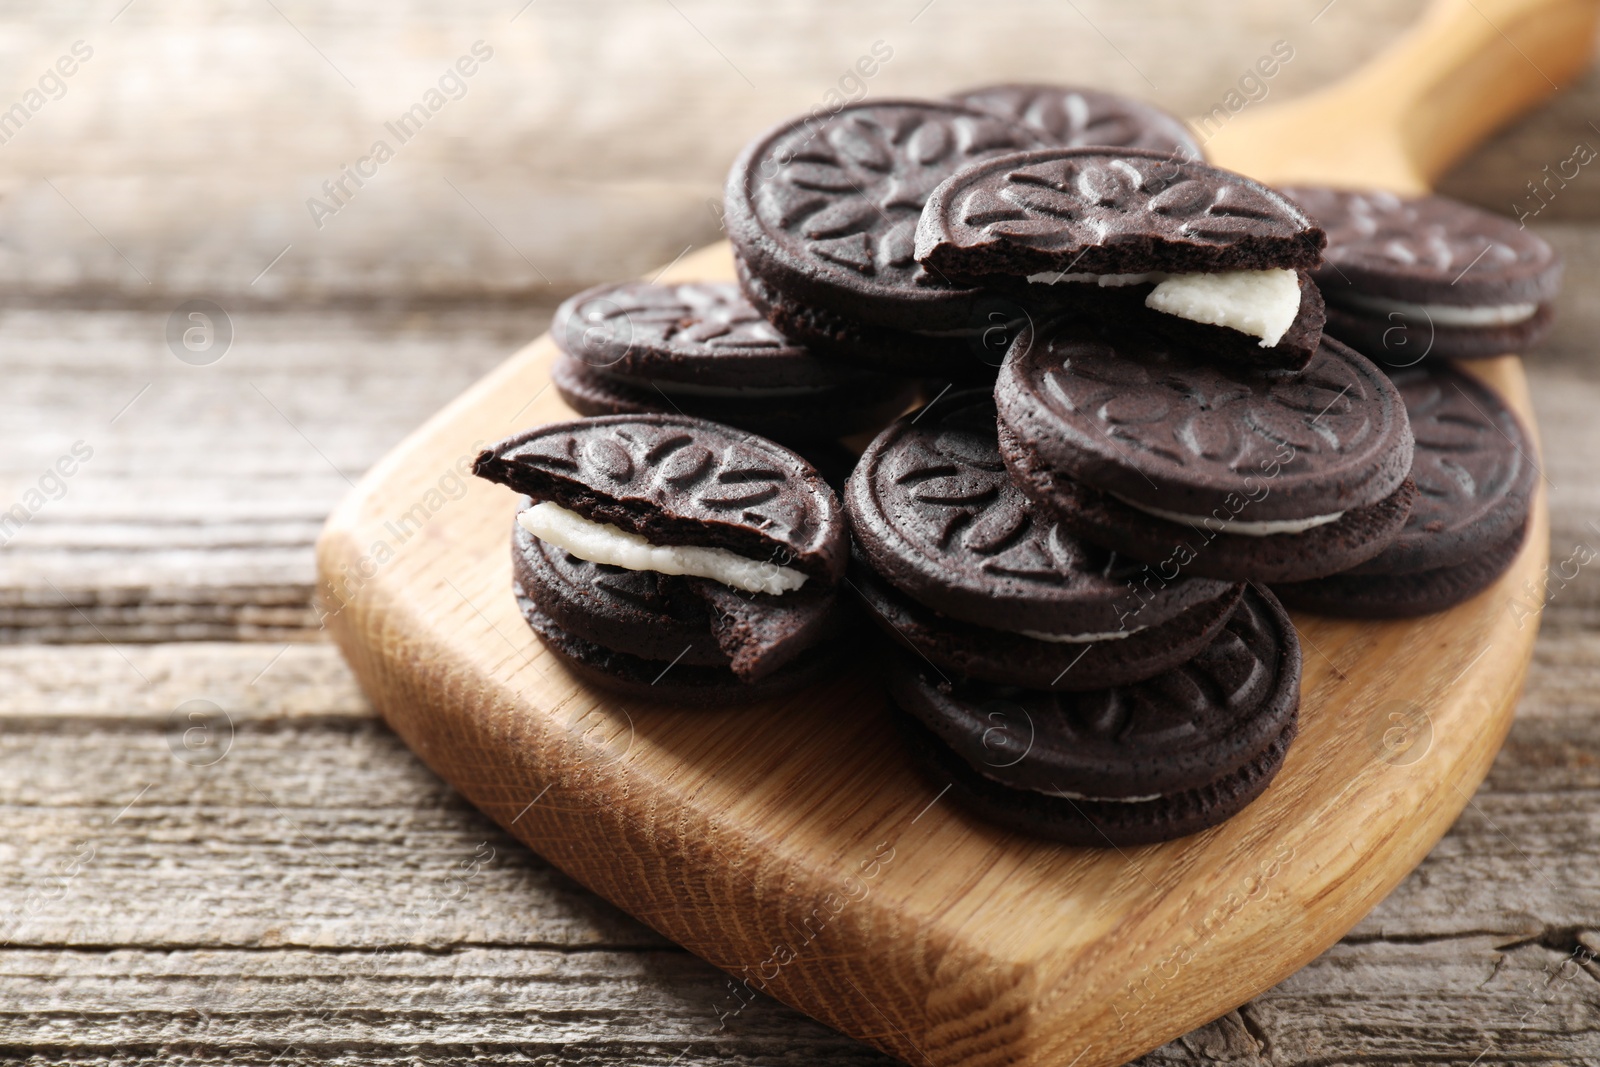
(1461, 71)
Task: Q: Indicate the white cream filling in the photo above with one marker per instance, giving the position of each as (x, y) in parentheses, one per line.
(1444, 314)
(1261, 303)
(1243, 527)
(602, 543)
(1078, 639)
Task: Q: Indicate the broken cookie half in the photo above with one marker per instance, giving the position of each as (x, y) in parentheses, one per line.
(1223, 260)
(674, 559)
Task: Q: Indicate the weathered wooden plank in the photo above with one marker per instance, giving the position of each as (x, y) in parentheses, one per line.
(317, 830)
(1468, 999)
(180, 158)
(141, 685)
(653, 1007)
(193, 515)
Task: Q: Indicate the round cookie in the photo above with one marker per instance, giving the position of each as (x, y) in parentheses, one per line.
(1475, 477)
(966, 356)
(966, 650)
(681, 684)
(1395, 340)
(1402, 596)
(654, 542)
(1406, 277)
(1220, 258)
(1074, 117)
(701, 349)
(793, 415)
(822, 213)
(1204, 468)
(1148, 762)
(670, 618)
(645, 614)
(955, 562)
(675, 480)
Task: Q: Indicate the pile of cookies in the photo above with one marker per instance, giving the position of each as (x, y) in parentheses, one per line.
(1141, 400)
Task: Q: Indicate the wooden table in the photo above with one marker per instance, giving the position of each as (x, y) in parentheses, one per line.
(210, 848)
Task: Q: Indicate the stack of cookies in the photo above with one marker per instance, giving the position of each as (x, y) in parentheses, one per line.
(670, 558)
(1160, 395)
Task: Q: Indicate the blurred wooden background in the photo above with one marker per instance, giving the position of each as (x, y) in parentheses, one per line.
(592, 144)
(279, 880)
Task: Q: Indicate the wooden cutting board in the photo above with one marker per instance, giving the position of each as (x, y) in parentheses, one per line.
(792, 844)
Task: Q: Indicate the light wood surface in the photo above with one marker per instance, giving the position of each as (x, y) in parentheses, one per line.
(747, 837)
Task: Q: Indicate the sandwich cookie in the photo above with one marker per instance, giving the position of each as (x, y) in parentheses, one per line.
(1410, 277)
(951, 561)
(673, 558)
(1475, 478)
(700, 349)
(1221, 258)
(1203, 468)
(822, 214)
(1132, 765)
(1074, 117)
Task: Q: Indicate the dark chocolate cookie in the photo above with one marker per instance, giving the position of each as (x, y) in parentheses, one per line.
(675, 480)
(970, 355)
(1427, 249)
(666, 618)
(659, 543)
(1075, 117)
(823, 209)
(1204, 468)
(701, 349)
(1092, 211)
(1475, 477)
(960, 649)
(797, 415)
(695, 333)
(1402, 596)
(1220, 258)
(933, 510)
(676, 683)
(1408, 276)
(1395, 340)
(1149, 762)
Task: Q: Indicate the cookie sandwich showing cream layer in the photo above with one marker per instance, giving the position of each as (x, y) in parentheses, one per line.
(675, 559)
(1222, 259)
(1206, 468)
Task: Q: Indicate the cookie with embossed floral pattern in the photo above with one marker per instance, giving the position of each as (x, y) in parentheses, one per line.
(1160, 759)
(656, 547)
(1409, 277)
(1475, 477)
(699, 348)
(1205, 468)
(1220, 258)
(951, 560)
(1074, 117)
(822, 214)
